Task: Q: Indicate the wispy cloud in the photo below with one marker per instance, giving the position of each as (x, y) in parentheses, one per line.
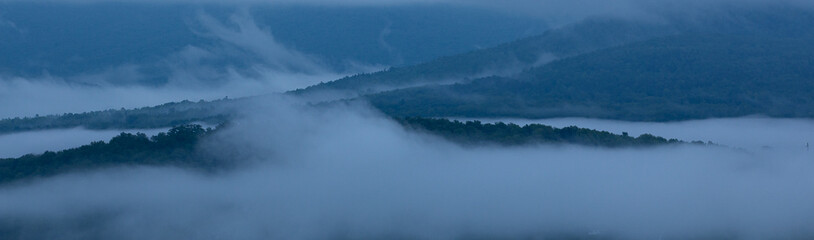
(246, 35)
(4, 23)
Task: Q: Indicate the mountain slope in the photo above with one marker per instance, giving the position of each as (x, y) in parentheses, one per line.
(510, 58)
(674, 78)
(516, 94)
(761, 20)
(506, 59)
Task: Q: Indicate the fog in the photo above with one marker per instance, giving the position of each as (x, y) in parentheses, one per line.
(36, 142)
(349, 172)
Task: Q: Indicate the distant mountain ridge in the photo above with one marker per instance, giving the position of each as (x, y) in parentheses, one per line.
(750, 62)
(506, 59)
(673, 78)
(142, 42)
(578, 38)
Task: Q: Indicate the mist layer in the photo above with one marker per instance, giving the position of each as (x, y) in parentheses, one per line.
(349, 172)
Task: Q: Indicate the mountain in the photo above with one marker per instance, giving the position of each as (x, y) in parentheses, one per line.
(505, 59)
(761, 20)
(516, 56)
(733, 62)
(689, 76)
(145, 43)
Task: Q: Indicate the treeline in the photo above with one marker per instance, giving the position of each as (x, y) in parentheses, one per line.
(176, 147)
(475, 132)
(165, 115)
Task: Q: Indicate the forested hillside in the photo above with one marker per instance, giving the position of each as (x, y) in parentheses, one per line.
(475, 132)
(506, 59)
(575, 39)
(165, 115)
(177, 148)
(690, 76)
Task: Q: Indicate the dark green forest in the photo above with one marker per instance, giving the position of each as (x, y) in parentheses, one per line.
(176, 147)
(476, 132)
(165, 115)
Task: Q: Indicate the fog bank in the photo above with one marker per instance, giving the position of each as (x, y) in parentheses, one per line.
(348, 172)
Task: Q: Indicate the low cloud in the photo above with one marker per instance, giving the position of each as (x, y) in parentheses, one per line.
(348, 172)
